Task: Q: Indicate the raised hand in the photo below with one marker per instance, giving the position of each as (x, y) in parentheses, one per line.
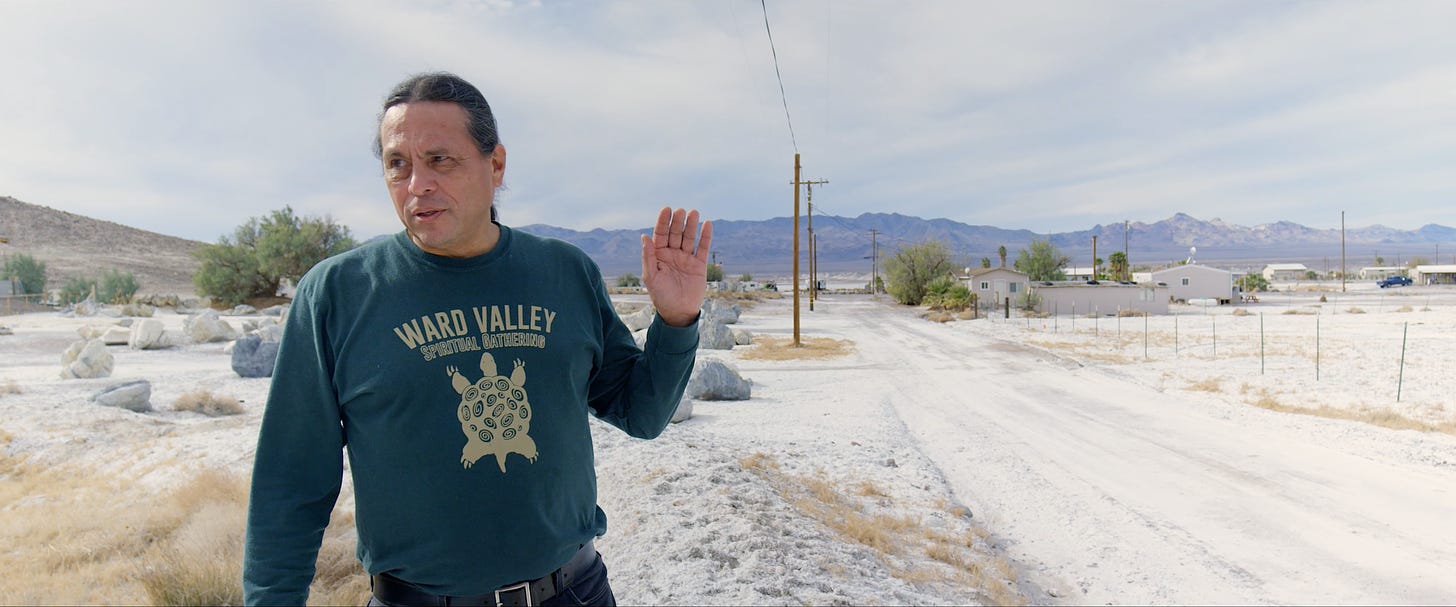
(674, 271)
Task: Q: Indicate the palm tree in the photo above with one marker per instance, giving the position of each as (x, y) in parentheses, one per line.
(1002, 252)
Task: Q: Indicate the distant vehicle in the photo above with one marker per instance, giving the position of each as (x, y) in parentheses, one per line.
(1394, 281)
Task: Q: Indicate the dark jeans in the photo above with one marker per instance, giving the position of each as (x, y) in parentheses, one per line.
(590, 589)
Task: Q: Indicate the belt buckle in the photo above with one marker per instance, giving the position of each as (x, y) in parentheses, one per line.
(524, 586)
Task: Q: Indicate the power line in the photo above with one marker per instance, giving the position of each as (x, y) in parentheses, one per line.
(782, 94)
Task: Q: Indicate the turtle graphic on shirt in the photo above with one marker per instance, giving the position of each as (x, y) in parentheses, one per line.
(494, 413)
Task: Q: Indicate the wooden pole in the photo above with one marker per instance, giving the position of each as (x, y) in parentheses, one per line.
(797, 342)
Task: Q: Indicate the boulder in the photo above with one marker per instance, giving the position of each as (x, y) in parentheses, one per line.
(116, 336)
(86, 307)
(205, 327)
(242, 310)
(86, 359)
(4, 330)
(721, 311)
(269, 332)
(137, 310)
(277, 310)
(147, 335)
(714, 335)
(254, 357)
(125, 322)
(714, 379)
(156, 301)
(133, 396)
(640, 319)
(91, 331)
(683, 412)
(742, 337)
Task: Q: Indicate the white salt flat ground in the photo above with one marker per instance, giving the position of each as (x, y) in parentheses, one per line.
(1107, 477)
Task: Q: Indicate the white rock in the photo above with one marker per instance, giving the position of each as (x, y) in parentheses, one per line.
(684, 410)
(86, 359)
(742, 337)
(714, 335)
(205, 326)
(133, 396)
(116, 336)
(640, 319)
(146, 335)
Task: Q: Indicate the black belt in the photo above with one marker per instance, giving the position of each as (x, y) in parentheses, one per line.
(394, 591)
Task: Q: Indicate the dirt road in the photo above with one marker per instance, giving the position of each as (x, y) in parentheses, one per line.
(1108, 491)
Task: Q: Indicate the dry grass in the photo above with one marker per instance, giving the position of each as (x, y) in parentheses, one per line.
(1382, 417)
(207, 403)
(1208, 385)
(938, 316)
(1354, 310)
(1242, 312)
(1129, 313)
(1300, 312)
(768, 347)
(77, 536)
(963, 559)
(9, 387)
(1405, 309)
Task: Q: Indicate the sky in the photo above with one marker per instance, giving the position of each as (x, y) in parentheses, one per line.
(189, 118)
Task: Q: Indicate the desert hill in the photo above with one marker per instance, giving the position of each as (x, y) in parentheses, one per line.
(74, 245)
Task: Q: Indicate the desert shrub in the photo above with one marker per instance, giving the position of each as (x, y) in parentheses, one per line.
(207, 403)
(1028, 301)
(947, 293)
(31, 273)
(715, 272)
(1242, 312)
(9, 387)
(265, 251)
(1355, 311)
(911, 270)
(1252, 282)
(629, 280)
(114, 286)
(746, 277)
(1129, 313)
(77, 288)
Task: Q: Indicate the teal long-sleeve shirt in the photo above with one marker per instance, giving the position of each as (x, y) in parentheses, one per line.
(459, 389)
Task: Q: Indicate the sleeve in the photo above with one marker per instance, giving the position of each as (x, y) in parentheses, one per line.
(298, 465)
(635, 389)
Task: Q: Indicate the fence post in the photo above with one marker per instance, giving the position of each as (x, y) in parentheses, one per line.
(1214, 320)
(1145, 335)
(1261, 343)
(1175, 335)
(1400, 379)
(1316, 347)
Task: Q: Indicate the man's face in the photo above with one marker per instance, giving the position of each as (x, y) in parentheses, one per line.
(442, 186)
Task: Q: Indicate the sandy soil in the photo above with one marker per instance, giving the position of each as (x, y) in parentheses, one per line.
(1104, 476)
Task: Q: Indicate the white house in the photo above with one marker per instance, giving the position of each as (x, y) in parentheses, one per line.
(1193, 281)
(1285, 272)
(1105, 299)
(1078, 273)
(1379, 272)
(1434, 275)
(993, 285)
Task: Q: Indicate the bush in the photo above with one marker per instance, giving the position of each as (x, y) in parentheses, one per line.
(947, 293)
(265, 251)
(910, 270)
(32, 273)
(114, 287)
(1028, 300)
(209, 404)
(629, 280)
(715, 272)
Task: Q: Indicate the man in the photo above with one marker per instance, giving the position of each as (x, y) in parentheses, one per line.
(458, 361)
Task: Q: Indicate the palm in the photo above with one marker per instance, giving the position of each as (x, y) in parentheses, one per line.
(673, 269)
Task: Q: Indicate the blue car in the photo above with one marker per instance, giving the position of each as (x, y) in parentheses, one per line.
(1394, 281)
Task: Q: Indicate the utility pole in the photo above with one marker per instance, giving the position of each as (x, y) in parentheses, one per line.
(1094, 257)
(1126, 259)
(797, 343)
(1342, 252)
(813, 244)
(874, 264)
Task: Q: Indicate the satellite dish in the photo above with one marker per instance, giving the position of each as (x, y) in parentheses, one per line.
(1191, 251)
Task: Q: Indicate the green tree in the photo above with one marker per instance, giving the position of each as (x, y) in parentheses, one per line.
(1252, 282)
(1042, 261)
(264, 251)
(985, 262)
(1117, 265)
(1417, 261)
(909, 272)
(629, 280)
(1097, 273)
(1001, 251)
(715, 272)
(31, 273)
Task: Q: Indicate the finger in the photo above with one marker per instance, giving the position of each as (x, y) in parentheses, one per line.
(675, 229)
(659, 233)
(690, 232)
(705, 241)
(649, 260)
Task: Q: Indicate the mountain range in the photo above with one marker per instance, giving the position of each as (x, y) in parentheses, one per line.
(846, 243)
(74, 244)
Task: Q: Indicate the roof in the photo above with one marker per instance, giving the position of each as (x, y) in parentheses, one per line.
(1285, 266)
(1188, 267)
(980, 271)
(1436, 269)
